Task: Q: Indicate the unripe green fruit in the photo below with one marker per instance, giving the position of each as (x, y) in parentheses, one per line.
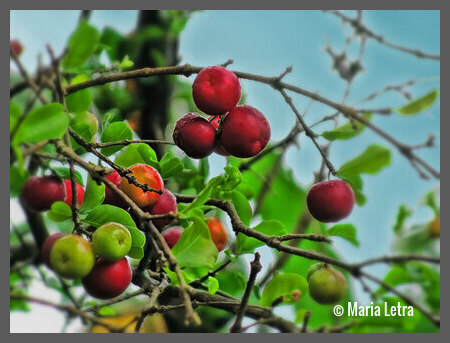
(327, 286)
(71, 257)
(111, 241)
(314, 268)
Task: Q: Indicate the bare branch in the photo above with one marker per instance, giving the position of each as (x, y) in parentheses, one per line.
(380, 39)
(255, 268)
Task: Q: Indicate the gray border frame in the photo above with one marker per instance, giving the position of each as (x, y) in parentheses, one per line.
(179, 4)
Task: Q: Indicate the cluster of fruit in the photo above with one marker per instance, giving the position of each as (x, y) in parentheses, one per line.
(241, 131)
(218, 233)
(100, 264)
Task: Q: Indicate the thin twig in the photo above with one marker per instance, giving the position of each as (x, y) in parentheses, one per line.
(305, 321)
(69, 309)
(308, 132)
(126, 142)
(255, 268)
(122, 171)
(188, 70)
(397, 259)
(379, 38)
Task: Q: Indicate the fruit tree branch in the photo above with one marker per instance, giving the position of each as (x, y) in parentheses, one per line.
(274, 82)
(255, 268)
(361, 28)
(274, 242)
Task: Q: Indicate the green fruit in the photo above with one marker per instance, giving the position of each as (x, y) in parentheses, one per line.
(111, 241)
(71, 257)
(327, 286)
(314, 268)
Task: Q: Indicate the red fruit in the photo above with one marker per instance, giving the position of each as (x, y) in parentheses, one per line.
(111, 197)
(172, 235)
(216, 90)
(47, 246)
(15, 47)
(108, 279)
(195, 135)
(330, 201)
(40, 192)
(245, 132)
(145, 175)
(219, 148)
(166, 203)
(218, 233)
(80, 192)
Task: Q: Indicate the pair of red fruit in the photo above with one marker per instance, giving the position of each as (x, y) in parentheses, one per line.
(241, 131)
(40, 192)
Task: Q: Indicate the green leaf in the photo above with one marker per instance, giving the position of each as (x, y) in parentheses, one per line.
(19, 305)
(371, 161)
(205, 194)
(85, 131)
(242, 207)
(136, 252)
(232, 178)
(430, 201)
(81, 100)
(285, 200)
(213, 284)
(103, 214)
(204, 167)
(346, 231)
(188, 274)
(403, 213)
(81, 45)
(112, 39)
(19, 156)
(346, 131)
(283, 285)
(170, 165)
(414, 240)
(269, 227)
(46, 122)
(117, 131)
(14, 114)
(420, 104)
(232, 281)
(195, 239)
(18, 177)
(64, 173)
(178, 23)
(106, 311)
(355, 181)
(126, 63)
(137, 153)
(60, 212)
(93, 196)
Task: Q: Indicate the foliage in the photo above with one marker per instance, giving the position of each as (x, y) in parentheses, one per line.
(262, 192)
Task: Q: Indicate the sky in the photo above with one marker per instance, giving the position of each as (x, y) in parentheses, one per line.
(265, 43)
